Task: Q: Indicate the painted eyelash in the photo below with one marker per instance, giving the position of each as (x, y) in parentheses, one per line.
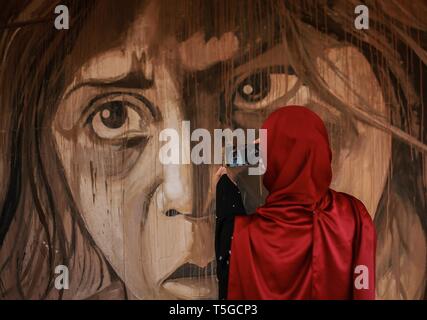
(88, 113)
(289, 70)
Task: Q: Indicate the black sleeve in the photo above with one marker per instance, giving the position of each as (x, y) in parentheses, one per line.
(228, 205)
(228, 199)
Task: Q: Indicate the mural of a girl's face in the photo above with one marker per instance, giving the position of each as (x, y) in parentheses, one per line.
(154, 222)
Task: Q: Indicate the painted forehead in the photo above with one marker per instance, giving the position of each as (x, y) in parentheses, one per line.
(109, 44)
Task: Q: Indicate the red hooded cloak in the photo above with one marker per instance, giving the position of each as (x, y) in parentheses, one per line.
(307, 241)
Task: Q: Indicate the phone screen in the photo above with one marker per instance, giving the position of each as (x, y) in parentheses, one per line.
(243, 155)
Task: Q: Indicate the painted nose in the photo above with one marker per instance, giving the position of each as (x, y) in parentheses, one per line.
(188, 193)
(177, 188)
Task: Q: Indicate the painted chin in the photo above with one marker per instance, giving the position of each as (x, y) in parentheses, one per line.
(191, 289)
(190, 282)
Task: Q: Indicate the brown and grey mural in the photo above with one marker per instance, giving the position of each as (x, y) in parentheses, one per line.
(81, 184)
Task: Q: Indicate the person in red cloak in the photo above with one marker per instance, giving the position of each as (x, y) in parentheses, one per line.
(307, 241)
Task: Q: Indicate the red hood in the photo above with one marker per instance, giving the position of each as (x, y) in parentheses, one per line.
(299, 156)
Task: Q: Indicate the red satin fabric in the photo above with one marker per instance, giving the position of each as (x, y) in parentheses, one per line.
(307, 239)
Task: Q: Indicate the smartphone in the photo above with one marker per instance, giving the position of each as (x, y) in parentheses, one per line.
(239, 156)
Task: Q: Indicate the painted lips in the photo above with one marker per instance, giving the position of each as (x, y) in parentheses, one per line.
(191, 282)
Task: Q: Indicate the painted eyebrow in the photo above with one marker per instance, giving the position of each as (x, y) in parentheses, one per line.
(257, 49)
(245, 59)
(138, 80)
(132, 80)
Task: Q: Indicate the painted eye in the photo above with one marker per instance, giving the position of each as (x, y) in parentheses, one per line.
(261, 89)
(114, 115)
(119, 119)
(255, 88)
